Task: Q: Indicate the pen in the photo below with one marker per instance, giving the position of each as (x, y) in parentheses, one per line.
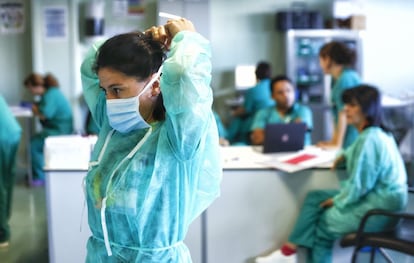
(168, 15)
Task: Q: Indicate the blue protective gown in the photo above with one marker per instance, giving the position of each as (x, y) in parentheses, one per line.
(56, 109)
(145, 187)
(349, 78)
(377, 179)
(221, 129)
(256, 98)
(271, 115)
(10, 134)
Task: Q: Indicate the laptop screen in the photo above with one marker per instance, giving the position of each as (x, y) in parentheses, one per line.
(284, 137)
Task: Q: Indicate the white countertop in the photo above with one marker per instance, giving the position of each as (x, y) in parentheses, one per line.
(19, 111)
(251, 157)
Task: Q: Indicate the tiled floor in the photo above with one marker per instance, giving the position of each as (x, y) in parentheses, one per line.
(29, 232)
(28, 242)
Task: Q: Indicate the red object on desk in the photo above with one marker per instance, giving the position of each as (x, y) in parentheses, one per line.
(300, 158)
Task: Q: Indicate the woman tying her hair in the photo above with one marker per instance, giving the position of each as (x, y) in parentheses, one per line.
(156, 164)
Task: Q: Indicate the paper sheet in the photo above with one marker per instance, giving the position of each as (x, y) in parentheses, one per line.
(308, 158)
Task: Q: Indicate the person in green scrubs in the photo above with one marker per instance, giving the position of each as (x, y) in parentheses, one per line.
(377, 179)
(54, 113)
(156, 165)
(285, 110)
(10, 134)
(337, 60)
(255, 99)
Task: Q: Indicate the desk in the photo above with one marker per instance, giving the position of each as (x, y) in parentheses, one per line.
(255, 212)
(27, 116)
(258, 206)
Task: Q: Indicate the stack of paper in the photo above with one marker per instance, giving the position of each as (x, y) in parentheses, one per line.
(308, 158)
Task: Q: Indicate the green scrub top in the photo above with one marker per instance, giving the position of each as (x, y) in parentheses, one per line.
(271, 115)
(145, 187)
(57, 111)
(9, 127)
(349, 78)
(258, 97)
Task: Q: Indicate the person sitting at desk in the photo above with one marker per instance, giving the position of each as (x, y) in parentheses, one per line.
(255, 98)
(54, 113)
(377, 180)
(286, 110)
(10, 134)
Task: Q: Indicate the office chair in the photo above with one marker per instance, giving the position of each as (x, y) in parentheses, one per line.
(400, 239)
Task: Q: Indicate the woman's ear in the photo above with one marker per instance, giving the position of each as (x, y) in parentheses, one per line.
(155, 90)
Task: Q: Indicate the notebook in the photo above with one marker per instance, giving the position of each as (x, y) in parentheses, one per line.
(284, 137)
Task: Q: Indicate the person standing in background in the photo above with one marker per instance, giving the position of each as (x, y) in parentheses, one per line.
(286, 110)
(255, 98)
(10, 134)
(54, 113)
(337, 60)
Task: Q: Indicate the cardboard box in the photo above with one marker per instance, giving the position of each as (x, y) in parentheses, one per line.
(358, 22)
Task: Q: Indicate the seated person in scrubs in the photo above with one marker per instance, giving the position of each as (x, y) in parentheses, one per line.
(337, 60)
(10, 134)
(156, 165)
(54, 113)
(255, 98)
(285, 110)
(377, 180)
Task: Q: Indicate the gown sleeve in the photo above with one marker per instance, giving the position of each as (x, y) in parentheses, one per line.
(94, 96)
(362, 165)
(185, 86)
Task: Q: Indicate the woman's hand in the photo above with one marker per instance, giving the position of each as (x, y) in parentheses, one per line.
(177, 25)
(327, 203)
(257, 137)
(36, 112)
(166, 33)
(327, 145)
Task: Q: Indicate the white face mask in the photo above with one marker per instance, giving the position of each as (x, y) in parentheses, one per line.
(124, 115)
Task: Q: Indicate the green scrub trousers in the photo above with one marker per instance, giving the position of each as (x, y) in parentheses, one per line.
(310, 230)
(36, 148)
(8, 153)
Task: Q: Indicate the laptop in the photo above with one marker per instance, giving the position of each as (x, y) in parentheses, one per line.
(284, 137)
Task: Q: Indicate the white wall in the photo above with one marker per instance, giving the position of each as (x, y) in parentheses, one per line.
(63, 57)
(389, 45)
(15, 62)
(242, 32)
